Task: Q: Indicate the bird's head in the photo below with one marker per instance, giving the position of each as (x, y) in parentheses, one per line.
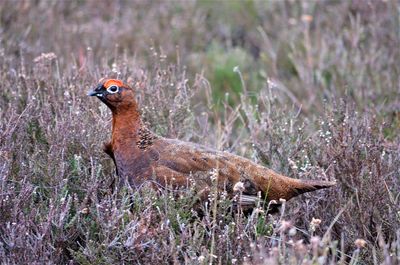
(115, 94)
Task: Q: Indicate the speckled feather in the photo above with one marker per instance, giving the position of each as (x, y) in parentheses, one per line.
(140, 156)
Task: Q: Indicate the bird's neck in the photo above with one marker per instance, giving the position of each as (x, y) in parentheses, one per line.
(126, 124)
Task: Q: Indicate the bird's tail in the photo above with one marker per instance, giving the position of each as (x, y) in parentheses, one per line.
(294, 187)
(303, 186)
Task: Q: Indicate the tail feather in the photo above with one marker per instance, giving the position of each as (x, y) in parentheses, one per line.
(311, 185)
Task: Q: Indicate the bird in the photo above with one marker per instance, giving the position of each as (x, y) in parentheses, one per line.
(141, 156)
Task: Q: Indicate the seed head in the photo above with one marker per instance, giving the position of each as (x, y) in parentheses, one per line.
(360, 243)
(315, 223)
(239, 186)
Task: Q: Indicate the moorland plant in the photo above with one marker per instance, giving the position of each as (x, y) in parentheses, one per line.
(307, 88)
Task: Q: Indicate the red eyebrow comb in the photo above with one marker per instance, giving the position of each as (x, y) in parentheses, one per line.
(111, 82)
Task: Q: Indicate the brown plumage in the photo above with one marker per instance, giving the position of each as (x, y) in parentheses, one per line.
(141, 156)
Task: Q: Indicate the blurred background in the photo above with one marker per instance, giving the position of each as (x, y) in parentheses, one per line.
(308, 88)
(313, 50)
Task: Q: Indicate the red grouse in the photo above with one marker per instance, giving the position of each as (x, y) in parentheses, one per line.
(141, 156)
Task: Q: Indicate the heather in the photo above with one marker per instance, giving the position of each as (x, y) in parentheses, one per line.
(307, 88)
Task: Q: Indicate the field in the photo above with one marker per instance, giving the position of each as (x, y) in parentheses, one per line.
(310, 89)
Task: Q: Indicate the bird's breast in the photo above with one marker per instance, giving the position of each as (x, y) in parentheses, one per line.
(133, 164)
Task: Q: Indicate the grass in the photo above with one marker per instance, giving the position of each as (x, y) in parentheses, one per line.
(314, 95)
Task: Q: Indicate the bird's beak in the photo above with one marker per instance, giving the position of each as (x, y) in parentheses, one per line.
(95, 92)
(92, 93)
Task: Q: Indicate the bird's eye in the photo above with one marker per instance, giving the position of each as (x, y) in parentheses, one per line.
(112, 89)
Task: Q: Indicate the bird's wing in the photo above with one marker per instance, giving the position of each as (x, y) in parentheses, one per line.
(180, 163)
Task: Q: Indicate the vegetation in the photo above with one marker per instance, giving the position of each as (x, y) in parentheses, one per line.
(307, 88)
